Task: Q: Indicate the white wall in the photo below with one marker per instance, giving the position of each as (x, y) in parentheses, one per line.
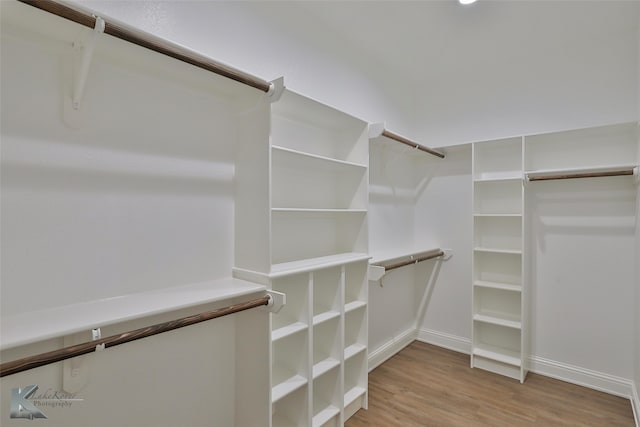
(443, 219)
(551, 66)
(273, 39)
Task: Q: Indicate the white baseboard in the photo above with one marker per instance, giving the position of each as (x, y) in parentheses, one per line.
(635, 403)
(448, 341)
(391, 347)
(581, 376)
(549, 368)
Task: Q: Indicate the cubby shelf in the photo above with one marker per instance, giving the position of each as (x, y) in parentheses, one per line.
(354, 305)
(325, 415)
(497, 215)
(286, 331)
(498, 354)
(352, 394)
(497, 285)
(498, 250)
(324, 366)
(500, 177)
(352, 350)
(286, 387)
(325, 317)
(318, 211)
(498, 319)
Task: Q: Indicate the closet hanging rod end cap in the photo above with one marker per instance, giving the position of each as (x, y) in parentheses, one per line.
(447, 254)
(276, 88)
(277, 300)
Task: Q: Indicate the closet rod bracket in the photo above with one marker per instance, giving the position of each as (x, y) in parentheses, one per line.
(87, 47)
(277, 300)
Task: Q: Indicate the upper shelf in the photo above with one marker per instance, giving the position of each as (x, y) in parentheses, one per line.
(27, 328)
(306, 265)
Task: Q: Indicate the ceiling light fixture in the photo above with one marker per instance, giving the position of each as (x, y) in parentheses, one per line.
(466, 1)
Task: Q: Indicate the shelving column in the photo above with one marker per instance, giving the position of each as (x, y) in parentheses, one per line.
(498, 325)
(301, 226)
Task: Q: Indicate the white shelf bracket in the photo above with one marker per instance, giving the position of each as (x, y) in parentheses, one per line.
(448, 253)
(277, 300)
(636, 175)
(80, 75)
(276, 88)
(84, 48)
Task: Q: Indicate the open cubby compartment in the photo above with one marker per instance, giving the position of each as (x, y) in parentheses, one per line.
(301, 181)
(327, 399)
(355, 331)
(306, 125)
(294, 315)
(499, 159)
(355, 284)
(498, 197)
(584, 148)
(302, 235)
(497, 268)
(498, 232)
(500, 304)
(497, 349)
(355, 384)
(289, 364)
(326, 346)
(292, 410)
(327, 291)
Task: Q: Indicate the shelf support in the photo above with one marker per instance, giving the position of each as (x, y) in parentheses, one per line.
(277, 300)
(87, 48)
(276, 88)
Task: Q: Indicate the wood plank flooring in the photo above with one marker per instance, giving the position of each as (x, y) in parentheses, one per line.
(425, 385)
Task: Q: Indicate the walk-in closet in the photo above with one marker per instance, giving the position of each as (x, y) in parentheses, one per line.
(291, 213)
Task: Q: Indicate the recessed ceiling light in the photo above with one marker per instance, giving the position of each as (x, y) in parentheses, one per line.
(466, 1)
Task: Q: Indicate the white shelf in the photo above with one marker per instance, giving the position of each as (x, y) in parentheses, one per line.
(498, 250)
(497, 285)
(513, 176)
(498, 354)
(600, 168)
(27, 328)
(325, 415)
(318, 211)
(354, 305)
(288, 330)
(497, 215)
(392, 256)
(326, 162)
(286, 387)
(351, 395)
(324, 366)
(324, 317)
(352, 350)
(307, 265)
(497, 320)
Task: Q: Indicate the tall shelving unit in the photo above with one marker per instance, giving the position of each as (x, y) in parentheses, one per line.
(312, 246)
(499, 313)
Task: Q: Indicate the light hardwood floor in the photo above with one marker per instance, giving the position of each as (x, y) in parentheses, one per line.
(425, 385)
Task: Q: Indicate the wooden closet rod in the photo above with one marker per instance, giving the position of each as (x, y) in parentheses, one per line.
(410, 143)
(151, 42)
(413, 261)
(42, 359)
(581, 175)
